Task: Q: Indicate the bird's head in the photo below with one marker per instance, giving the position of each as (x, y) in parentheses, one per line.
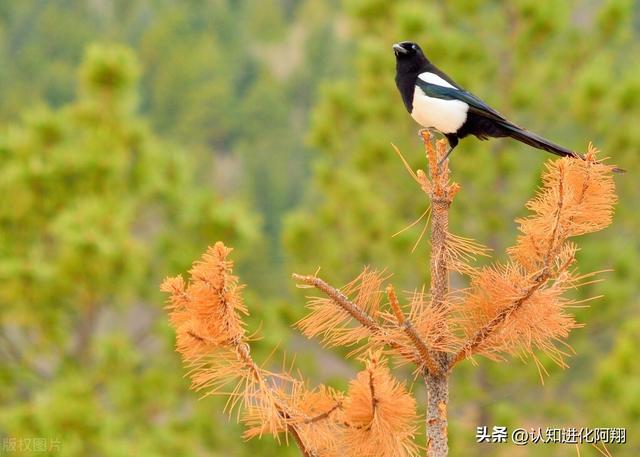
(409, 55)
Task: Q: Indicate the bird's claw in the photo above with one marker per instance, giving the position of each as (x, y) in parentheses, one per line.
(421, 132)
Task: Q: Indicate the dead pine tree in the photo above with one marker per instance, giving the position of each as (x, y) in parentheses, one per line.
(517, 307)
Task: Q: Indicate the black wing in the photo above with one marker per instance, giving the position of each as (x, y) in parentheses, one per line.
(480, 108)
(476, 105)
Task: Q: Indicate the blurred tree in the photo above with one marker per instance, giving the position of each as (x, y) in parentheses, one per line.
(207, 63)
(617, 380)
(90, 202)
(546, 65)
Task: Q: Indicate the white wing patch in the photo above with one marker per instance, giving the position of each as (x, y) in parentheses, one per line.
(435, 79)
(446, 116)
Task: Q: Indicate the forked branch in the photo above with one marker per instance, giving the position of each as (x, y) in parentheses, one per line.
(421, 356)
(408, 328)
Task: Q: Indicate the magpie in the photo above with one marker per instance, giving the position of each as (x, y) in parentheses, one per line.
(435, 101)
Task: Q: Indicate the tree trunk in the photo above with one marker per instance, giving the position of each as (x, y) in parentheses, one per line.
(438, 391)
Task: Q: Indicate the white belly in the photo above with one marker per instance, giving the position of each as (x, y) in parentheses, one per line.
(446, 116)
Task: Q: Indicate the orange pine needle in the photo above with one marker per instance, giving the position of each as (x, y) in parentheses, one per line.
(380, 414)
(520, 305)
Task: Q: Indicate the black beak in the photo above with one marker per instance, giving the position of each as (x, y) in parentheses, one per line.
(399, 49)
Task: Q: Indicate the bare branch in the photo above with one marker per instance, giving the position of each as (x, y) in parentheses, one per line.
(395, 305)
(324, 415)
(364, 318)
(412, 334)
(340, 299)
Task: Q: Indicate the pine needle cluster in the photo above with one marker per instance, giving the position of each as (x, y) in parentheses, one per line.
(376, 416)
(516, 307)
(520, 306)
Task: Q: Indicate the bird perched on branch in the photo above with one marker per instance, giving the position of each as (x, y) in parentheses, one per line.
(435, 101)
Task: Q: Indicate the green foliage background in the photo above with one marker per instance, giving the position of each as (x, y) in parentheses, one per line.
(134, 133)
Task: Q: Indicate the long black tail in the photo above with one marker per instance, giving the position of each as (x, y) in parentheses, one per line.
(538, 142)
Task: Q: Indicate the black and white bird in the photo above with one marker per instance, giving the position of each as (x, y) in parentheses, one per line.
(435, 101)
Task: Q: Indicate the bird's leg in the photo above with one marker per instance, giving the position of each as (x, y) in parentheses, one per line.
(453, 142)
(446, 156)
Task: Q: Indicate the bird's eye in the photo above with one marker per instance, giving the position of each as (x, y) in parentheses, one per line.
(414, 47)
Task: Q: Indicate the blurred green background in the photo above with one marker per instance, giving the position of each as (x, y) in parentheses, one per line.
(133, 133)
